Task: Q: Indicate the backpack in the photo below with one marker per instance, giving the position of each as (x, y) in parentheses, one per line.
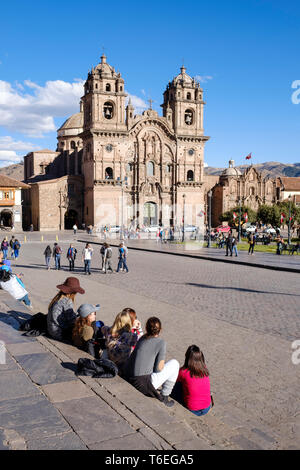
(102, 250)
(57, 250)
(35, 326)
(109, 253)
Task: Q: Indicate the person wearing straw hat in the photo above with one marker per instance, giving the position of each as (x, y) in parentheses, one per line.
(61, 316)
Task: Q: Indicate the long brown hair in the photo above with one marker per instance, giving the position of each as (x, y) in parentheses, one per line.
(59, 295)
(195, 362)
(79, 325)
(131, 312)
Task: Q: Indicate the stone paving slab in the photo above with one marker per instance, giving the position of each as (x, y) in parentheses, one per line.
(32, 417)
(9, 335)
(134, 441)
(67, 441)
(20, 349)
(44, 368)
(10, 364)
(15, 384)
(64, 391)
(194, 444)
(93, 420)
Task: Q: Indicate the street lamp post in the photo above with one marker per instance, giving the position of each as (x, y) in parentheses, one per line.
(122, 183)
(289, 226)
(209, 220)
(183, 199)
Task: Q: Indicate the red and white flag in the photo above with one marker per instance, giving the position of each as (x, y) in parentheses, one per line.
(282, 217)
(201, 213)
(249, 156)
(234, 216)
(246, 216)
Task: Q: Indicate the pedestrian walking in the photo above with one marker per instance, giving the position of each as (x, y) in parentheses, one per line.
(11, 244)
(229, 244)
(47, 254)
(251, 241)
(75, 229)
(87, 257)
(102, 252)
(16, 246)
(107, 258)
(57, 251)
(234, 245)
(4, 248)
(122, 258)
(71, 256)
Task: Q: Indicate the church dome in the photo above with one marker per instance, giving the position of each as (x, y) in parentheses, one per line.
(72, 126)
(231, 170)
(183, 78)
(106, 70)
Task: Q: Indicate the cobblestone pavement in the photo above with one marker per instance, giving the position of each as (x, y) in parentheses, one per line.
(244, 319)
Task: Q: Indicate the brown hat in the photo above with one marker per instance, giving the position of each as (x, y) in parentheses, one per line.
(71, 286)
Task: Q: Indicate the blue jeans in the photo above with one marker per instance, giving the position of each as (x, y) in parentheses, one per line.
(16, 252)
(122, 264)
(235, 250)
(57, 261)
(5, 253)
(201, 412)
(87, 266)
(25, 299)
(47, 259)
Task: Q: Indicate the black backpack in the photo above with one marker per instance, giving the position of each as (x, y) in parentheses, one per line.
(35, 326)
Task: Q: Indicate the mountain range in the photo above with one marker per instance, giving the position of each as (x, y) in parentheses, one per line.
(270, 169)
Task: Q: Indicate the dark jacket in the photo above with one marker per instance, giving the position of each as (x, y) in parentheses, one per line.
(61, 318)
(98, 368)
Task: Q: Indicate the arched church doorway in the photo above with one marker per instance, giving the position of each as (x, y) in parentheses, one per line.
(150, 213)
(71, 217)
(6, 218)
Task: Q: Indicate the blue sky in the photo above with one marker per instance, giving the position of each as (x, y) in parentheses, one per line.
(245, 51)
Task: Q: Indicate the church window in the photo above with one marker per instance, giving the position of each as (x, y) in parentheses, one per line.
(188, 96)
(179, 94)
(131, 115)
(150, 169)
(96, 86)
(190, 175)
(129, 167)
(108, 88)
(251, 191)
(188, 117)
(168, 168)
(121, 88)
(108, 110)
(109, 174)
(73, 145)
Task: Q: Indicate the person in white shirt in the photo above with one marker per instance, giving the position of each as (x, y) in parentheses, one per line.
(87, 256)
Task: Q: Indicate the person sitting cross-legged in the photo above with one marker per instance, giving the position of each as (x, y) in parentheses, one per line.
(146, 369)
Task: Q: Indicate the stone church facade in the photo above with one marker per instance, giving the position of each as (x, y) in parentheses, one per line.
(112, 166)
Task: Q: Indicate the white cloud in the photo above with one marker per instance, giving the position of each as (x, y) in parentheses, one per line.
(138, 103)
(203, 78)
(7, 144)
(9, 157)
(32, 113)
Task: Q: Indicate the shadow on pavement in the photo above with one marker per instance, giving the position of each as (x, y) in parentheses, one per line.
(206, 286)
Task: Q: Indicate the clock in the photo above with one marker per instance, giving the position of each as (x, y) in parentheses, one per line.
(191, 152)
(109, 148)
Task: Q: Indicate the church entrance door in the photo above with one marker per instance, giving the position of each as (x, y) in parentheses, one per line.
(150, 214)
(71, 218)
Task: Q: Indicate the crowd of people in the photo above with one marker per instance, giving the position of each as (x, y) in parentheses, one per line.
(138, 355)
(106, 254)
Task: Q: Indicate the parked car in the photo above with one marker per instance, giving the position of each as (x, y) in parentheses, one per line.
(190, 228)
(114, 229)
(271, 230)
(223, 228)
(251, 229)
(151, 228)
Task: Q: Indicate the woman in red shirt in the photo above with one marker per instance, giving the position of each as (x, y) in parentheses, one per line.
(193, 385)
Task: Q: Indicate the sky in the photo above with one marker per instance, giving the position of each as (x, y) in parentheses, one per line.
(245, 53)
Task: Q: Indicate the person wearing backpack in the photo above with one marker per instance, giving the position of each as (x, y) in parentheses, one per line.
(107, 258)
(57, 251)
(71, 256)
(122, 258)
(16, 247)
